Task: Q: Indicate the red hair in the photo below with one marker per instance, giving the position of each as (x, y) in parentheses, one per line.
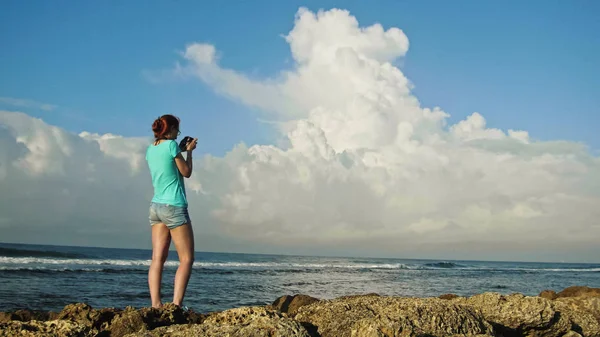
(163, 125)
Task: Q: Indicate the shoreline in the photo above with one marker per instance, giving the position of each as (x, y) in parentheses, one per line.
(574, 311)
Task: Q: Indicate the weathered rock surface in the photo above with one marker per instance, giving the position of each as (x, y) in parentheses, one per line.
(584, 313)
(239, 322)
(575, 291)
(548, 294)
(519, 315)
(579, 292)
(290, 304)
(448, 296)
(573, 312)
(27, 315)
(392, 316)
(55, 328)
(97, 322)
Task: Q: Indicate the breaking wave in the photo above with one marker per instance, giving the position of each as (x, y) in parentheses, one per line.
(46, 263)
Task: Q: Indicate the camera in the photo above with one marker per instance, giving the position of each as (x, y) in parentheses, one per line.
(184, 142)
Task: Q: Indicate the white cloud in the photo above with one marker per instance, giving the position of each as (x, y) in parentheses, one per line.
(27, 103)
(365, 162)
(365, 169)
(87, 189)
(59, 184)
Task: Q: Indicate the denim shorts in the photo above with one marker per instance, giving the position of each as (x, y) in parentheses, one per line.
(171, 216)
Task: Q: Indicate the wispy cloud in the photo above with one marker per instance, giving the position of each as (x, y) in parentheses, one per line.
(27, 103)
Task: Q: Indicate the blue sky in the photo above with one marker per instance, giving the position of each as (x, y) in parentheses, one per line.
(523, 65)
(529, 65)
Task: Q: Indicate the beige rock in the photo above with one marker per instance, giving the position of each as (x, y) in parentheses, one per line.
(392, 316)
(579, 291)
(515, 311)
(54, 328)
(126, 323)
(548, 294)
(575, 291)
(290, 304)
(589, 305)
(27, 315)
(583, 313)
(573, 312)
(448, 296)
(521, 315)
(119, 322)
(78, 312)
(239, 322)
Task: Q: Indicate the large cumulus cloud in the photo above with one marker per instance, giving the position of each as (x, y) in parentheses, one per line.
(365, 165)
(361, 168)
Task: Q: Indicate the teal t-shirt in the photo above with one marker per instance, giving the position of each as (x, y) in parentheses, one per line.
(169, 187)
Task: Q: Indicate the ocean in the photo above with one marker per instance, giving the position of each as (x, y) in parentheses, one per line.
(50, 277)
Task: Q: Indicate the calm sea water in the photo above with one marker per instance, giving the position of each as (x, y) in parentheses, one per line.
(49, 277)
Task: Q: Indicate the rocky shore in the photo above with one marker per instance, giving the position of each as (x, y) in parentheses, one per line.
(575, 311)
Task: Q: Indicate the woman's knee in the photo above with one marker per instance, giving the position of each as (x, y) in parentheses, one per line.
(159, 258)
(187, 259)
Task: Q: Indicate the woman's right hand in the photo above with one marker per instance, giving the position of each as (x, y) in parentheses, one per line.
(191, 145)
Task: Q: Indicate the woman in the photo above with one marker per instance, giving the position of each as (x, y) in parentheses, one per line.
(169, 216)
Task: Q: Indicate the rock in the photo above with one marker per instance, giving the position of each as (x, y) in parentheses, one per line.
(82, 313)
(101, 319)
(573, 312)
(358, 295)
(578, 291)
(27, 315)
(169, 314)
(587, 305)
(575, 291)
(125, 323)
(392, 316)
(239, 322)
(110, 321)
(584, 313)
(290, 304)
(77, 312)
(548, 294)
(448, 296)
(54, 328)
(516, 313)
(580, 304)
(519, 315)
(133, 320)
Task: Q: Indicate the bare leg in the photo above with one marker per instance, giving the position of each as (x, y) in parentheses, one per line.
(161, 239)
(183, 237)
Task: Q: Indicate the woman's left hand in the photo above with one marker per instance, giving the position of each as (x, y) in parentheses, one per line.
(191, 145)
